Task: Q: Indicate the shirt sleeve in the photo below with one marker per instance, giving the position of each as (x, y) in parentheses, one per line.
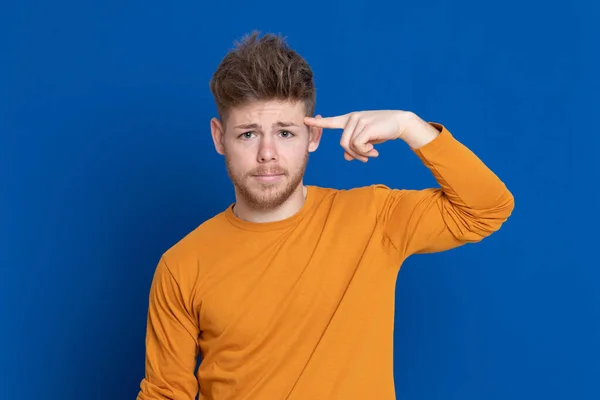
(171, 341)
(470, 204)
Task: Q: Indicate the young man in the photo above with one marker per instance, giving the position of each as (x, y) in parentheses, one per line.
(289, 292)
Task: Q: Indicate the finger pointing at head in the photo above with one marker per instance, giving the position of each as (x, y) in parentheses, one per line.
(338, 122)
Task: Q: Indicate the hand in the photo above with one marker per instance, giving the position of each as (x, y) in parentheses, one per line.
(364, 129)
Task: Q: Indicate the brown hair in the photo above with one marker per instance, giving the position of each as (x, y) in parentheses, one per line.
(262, 69)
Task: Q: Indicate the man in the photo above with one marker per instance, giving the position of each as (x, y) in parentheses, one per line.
(289, 292)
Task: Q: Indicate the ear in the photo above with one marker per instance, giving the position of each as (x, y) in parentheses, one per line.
(314, 136)
(218, 133)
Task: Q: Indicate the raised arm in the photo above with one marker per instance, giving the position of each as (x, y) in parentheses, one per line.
(171, 342)
(470, 204)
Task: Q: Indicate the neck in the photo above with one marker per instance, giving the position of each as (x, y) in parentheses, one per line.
(290, 207)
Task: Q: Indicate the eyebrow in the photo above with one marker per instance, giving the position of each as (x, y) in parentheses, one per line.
(280, 124)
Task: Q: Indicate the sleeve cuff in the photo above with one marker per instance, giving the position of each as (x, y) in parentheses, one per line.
(443, 140)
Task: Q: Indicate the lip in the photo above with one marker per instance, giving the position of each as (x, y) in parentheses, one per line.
(268, 178)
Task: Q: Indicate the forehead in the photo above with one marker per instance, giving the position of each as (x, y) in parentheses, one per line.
(267, 112)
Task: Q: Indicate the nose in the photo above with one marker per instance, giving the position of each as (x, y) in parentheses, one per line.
(266, 151)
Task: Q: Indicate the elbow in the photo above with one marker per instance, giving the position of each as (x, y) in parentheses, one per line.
(505, 207)
(475, 225)
(484, 223)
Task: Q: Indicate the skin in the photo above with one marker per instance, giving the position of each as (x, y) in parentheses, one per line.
(266, 145)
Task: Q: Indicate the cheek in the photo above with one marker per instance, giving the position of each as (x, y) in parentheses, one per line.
(293, 156)
(240, 159)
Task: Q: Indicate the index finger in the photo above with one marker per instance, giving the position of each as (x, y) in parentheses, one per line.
(338, 122)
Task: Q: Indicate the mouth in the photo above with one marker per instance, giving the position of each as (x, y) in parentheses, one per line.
(268, 177)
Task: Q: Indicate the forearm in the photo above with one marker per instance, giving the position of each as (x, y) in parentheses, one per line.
(470, 204)
(467, 183)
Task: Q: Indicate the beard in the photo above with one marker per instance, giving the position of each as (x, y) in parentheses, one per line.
(265, 196)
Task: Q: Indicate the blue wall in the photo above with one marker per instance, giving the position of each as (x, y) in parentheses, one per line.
(106, 160)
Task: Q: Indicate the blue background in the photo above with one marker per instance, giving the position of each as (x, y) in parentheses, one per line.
(106, 161)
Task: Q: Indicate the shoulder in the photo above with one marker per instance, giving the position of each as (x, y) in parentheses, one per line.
(361, 193)
(367, 199)
(186, 257)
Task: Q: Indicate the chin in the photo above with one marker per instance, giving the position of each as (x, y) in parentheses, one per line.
(267, 196)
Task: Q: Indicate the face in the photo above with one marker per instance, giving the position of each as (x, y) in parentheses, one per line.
(266, 146)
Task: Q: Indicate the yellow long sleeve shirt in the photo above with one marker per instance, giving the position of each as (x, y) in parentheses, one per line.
(303, 308)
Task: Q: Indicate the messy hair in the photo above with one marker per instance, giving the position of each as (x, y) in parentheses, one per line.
(262, 69)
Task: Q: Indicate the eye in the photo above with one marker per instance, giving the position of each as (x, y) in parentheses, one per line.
(286, 134)
(246, 135)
